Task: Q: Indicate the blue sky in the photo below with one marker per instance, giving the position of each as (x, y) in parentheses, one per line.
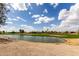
(37, 16)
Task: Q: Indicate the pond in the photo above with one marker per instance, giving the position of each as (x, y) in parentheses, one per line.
(35, 38)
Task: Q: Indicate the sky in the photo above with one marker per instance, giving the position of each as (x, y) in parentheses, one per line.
(42, 16)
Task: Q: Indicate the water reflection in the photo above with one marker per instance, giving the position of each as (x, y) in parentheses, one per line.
(20, 37)
(36, 38)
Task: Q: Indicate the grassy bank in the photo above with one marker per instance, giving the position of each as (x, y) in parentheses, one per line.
(57, 35)
(46, 34)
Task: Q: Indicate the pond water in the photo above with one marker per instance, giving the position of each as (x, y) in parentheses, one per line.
(35, 38)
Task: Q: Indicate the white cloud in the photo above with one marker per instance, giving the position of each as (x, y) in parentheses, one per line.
(50, 28)
(9, 29)
(52, 25)
(37, 22)
(43, 19)
(23, 25)
(46, 28)
(45, 11)
(9, 22)
(27, 28)
(30, 13)
(35, 16)
(70, 18)
(54, 4)
(12, 19)
(29, 4)
(63, 14)
(16, 19)
(19, 18)
(19, 6)
(42, 14)
(39, 4)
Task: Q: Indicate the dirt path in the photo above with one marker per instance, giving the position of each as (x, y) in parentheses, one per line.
(25, 48)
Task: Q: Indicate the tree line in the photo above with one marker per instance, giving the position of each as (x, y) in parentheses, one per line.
(22, 31)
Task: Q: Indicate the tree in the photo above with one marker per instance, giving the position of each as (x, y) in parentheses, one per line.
(3, 12)
(13, 32)
(21, 31)
(3, 32)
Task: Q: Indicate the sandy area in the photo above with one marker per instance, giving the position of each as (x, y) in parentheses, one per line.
(25, 48)
(72, 41)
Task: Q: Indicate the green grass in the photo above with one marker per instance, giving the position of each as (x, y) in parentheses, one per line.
(46, 34)
(58, 35)
(70, 36)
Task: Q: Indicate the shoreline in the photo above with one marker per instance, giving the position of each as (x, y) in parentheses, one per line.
(26, 48)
